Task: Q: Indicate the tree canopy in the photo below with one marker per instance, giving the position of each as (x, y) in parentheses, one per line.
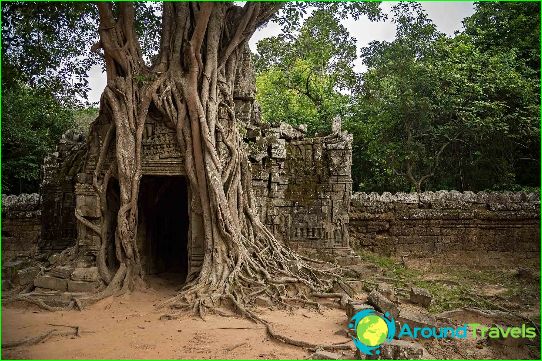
(473, 95)
(432, 111)
(307, 79)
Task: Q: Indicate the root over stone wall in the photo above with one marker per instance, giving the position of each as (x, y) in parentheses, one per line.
(479, 229)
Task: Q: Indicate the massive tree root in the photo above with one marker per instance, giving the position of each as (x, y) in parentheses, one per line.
(190, 86)
(30, 341)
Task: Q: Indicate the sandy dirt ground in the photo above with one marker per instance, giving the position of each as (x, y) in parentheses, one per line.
(129, 327)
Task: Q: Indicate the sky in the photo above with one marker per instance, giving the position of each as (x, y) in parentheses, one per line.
(447, 16)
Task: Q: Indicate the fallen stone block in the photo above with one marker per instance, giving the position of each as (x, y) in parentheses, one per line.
(89, 274)
(361, 270)
(382, 304)
(52, 283)
(326, 355)
(356, 286)
(53, 298)
(420, 296)
(26, 276)
(401, 350)
(415, 319)
(387, 290)
(354, 306)
(82, 286)
(61, 272)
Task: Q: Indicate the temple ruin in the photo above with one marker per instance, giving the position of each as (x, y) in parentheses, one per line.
(302, 186)
(303, 190)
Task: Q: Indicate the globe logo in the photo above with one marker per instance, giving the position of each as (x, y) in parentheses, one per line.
(371, 330)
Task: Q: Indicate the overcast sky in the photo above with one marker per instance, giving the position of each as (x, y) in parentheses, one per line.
(446, 15)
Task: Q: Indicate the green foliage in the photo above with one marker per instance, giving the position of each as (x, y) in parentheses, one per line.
(501, 26)
(83, 117)
(32, 123)
(48, 46)
(307, 79)
(435, 104)
(431, 112)
(291, 14)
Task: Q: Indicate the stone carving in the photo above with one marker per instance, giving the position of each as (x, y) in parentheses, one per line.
(303, 185)
(160, 150)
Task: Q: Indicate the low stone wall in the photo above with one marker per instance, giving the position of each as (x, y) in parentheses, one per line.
(486, 229)
(21, 225)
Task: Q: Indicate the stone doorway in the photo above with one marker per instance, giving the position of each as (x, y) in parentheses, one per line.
(162, 234)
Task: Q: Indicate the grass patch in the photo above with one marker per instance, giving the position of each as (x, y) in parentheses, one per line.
(456, 287)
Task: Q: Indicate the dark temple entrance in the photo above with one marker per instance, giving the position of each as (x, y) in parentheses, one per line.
(162, 234)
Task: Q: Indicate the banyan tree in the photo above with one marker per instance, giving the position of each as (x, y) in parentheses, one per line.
(186, 92)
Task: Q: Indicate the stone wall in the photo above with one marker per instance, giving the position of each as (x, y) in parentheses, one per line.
(60, 169)
(302, 185)
(461, 228)
(21, 225)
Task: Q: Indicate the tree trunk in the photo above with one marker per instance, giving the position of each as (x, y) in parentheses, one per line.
(191, 85)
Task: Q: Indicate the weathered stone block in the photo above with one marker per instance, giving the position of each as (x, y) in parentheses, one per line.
(26, 276)
(382, 304)
(420, 296)
(278, 149)
(82, 286)
(89, 274)
(354, 306)
(388, 291)
(61, 272)
(52, 283)
(355, 285)
(88, 205)
(415, 319)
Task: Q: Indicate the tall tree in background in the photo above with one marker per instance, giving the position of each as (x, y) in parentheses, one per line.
(443, 113)
(308, 78)
(503, 27)
(431, 112)
(43, 80)
(32, 123)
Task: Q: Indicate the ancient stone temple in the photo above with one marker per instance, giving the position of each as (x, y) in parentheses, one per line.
(303, 188)
(302, 185)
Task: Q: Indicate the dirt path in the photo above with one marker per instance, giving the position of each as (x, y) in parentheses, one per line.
(129, 327)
